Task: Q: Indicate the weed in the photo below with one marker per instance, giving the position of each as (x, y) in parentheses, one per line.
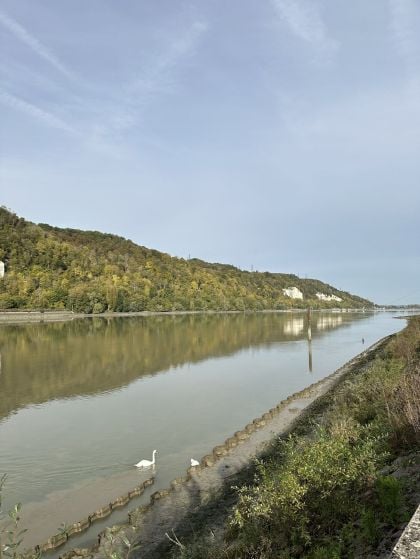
(118, 546)
(11, 537)
(329, 551)
(369, 527)
(390, 498)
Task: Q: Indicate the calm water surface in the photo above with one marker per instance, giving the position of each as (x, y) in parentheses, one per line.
(82, 401)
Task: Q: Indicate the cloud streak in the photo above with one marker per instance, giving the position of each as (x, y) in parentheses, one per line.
(403, 13)
(305, 22)
(106, 120)
(155, 78)
(33, 43)
(35, 112)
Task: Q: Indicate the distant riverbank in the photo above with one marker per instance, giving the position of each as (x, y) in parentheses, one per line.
(21, 316)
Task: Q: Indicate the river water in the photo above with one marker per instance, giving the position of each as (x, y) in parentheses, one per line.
(82, 401)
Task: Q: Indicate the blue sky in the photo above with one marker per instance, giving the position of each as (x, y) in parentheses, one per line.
(279, 135)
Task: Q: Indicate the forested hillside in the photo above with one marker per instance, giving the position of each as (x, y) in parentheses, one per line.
(87, 271)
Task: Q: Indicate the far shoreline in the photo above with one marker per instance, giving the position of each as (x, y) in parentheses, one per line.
(29, 316)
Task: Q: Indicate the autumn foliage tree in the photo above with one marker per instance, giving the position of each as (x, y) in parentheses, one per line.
(91, 272)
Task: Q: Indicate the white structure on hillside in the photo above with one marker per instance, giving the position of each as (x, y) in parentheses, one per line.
(323, 297)
(1, 269)
(293, 292)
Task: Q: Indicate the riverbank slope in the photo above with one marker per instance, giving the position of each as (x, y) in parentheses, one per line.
(344, 485)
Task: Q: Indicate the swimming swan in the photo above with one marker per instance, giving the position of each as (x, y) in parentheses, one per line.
(194, 462)
(146, 463)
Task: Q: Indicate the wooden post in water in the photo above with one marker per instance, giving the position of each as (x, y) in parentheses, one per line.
(309, 324)
(309, 341)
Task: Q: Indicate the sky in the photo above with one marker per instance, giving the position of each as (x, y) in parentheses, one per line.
(279, 135)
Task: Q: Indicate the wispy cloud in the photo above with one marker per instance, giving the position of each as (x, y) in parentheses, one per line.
(403, 15)
(389, 120)
(182, 47)
(156, 77)
(305, 22)
(33, 111)
(33, 43)
(101, 117)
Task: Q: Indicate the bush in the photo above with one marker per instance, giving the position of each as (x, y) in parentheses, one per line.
(310, 494)
(404, 410)
(366, 397)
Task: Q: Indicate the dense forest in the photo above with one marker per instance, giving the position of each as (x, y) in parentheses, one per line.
(90, 272)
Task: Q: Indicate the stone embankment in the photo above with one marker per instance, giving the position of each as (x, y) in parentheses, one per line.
(408, 546)
(149, 524)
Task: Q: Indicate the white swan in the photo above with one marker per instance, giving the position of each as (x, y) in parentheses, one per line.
(146, 463)
(194, 462)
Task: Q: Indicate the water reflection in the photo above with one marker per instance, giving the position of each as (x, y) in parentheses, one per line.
(310, 366)
(42, 362)
(294, 326)
(328, 322)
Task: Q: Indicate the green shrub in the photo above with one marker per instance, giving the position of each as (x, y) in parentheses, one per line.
(390, 498)
(404, 411)
(329, 551)
(369, 527)
(311, 494)
(367, 396)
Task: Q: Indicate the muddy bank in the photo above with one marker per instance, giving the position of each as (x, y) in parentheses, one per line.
(22, 317)
(170, 509)
(86, 505)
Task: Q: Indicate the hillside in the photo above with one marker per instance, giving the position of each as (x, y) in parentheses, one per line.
(86, 271)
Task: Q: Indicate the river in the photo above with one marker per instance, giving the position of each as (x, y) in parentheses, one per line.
(82, 401)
